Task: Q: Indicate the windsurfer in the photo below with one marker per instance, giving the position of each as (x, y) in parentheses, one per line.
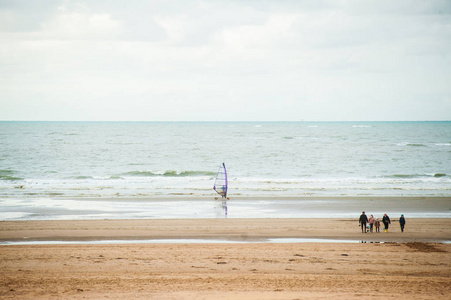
(220, 185)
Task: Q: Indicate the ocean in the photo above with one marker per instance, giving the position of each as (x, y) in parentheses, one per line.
(52, 161)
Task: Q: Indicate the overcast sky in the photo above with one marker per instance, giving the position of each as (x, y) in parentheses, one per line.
(228, 60)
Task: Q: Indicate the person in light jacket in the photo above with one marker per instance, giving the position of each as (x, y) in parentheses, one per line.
(371, 221)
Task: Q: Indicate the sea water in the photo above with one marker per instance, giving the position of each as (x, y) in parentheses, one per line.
(121, 159)
(149, 160)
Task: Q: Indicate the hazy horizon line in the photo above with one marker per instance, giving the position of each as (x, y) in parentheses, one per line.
(222, 121)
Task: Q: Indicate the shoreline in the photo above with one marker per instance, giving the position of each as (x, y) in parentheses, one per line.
(185, 207)
(233, 197)
(264, 197)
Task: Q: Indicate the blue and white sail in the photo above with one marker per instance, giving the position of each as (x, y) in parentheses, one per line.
(221, 183)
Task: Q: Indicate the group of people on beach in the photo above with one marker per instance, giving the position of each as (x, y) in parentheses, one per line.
(375, 223)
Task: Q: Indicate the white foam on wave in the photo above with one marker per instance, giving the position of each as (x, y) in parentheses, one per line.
(414, 184)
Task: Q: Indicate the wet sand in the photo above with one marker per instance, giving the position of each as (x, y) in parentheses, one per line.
(412, 264)
(238, 207)
(250, 230)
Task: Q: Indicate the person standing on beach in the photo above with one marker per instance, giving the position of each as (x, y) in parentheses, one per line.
(386, 221)
(371, 221)
(363, 220)
(402, 222)
(377, 224)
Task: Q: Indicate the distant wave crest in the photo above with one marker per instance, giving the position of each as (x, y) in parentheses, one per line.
(419, 175)
(439, 175)
(84, 177)
(8, 175)
(169, 173)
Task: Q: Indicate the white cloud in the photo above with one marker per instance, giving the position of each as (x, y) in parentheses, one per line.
(181, 60)
(77, 25)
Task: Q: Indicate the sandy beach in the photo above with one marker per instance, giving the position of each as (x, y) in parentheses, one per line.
(415, 263)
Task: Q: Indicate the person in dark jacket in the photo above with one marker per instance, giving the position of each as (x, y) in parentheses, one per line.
(363, 220)
(402, 222)
(386, 221)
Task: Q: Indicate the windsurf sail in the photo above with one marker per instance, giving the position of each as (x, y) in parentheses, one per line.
(221, 181)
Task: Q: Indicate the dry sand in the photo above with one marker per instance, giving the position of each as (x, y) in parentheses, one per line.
(412, 264)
